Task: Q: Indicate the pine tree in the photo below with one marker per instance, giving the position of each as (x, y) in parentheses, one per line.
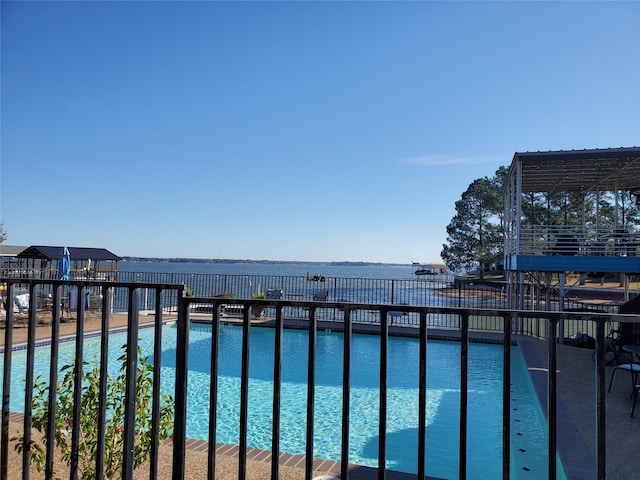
(475, 233)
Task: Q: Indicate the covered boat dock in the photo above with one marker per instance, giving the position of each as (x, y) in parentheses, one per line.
(594, 233)
(38, 261)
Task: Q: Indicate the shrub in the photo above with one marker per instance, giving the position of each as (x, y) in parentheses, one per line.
(114, 424)
(258, 309)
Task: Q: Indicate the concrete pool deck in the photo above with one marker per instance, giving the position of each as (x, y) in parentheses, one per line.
(576, 409)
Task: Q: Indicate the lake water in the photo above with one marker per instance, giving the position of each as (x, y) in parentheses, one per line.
(377, 271)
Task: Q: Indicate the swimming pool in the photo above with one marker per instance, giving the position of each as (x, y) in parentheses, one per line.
(529, 459)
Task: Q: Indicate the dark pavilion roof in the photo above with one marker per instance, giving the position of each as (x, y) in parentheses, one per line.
(77, 253)
(604, 169)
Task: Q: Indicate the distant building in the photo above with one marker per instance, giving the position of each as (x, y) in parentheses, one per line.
(42, 261)
(9, 252)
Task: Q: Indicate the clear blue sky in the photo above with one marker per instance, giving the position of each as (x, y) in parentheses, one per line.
(292, 130)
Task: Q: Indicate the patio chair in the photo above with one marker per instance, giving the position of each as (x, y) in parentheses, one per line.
(396, 315)
(229, 309)
(21, 308)
(631, 351)
(321, 296)
(636, 388)
(614, 343)
(21, 303)
(274, 294)
(634, 370)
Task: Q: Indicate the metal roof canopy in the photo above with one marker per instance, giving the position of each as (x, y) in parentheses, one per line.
(10, 250)
(77, 253)
(606, 169)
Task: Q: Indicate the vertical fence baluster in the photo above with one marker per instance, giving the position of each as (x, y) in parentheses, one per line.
(464, 394)
(6, 379)
(77, 387)
(506, 396)
(346, 394)
(28, 381)
(422, 396)
(601, 425)
(382, 422)
(182, 365)
(130, 394)
(244, 394)
(53, 380)
(551, 397)
(213, 390)
(311, 381)
(277, 387)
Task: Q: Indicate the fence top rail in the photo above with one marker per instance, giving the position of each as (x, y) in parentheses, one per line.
(342, 305)
(51, 273)
(92, 283)
(386, 308)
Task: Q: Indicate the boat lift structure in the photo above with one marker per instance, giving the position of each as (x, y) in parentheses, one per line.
(593, 244)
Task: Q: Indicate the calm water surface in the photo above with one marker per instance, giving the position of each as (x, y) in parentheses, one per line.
(381, 271)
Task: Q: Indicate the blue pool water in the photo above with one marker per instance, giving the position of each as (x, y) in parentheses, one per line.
(443, 398)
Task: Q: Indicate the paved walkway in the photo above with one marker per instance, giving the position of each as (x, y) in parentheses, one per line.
(576, 390)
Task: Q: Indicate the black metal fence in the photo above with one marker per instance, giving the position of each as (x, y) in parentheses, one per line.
(440, 292)
(432, 291)
(399, 293)
(504, 321)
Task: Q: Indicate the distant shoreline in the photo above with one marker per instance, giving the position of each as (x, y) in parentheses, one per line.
(247, 261)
